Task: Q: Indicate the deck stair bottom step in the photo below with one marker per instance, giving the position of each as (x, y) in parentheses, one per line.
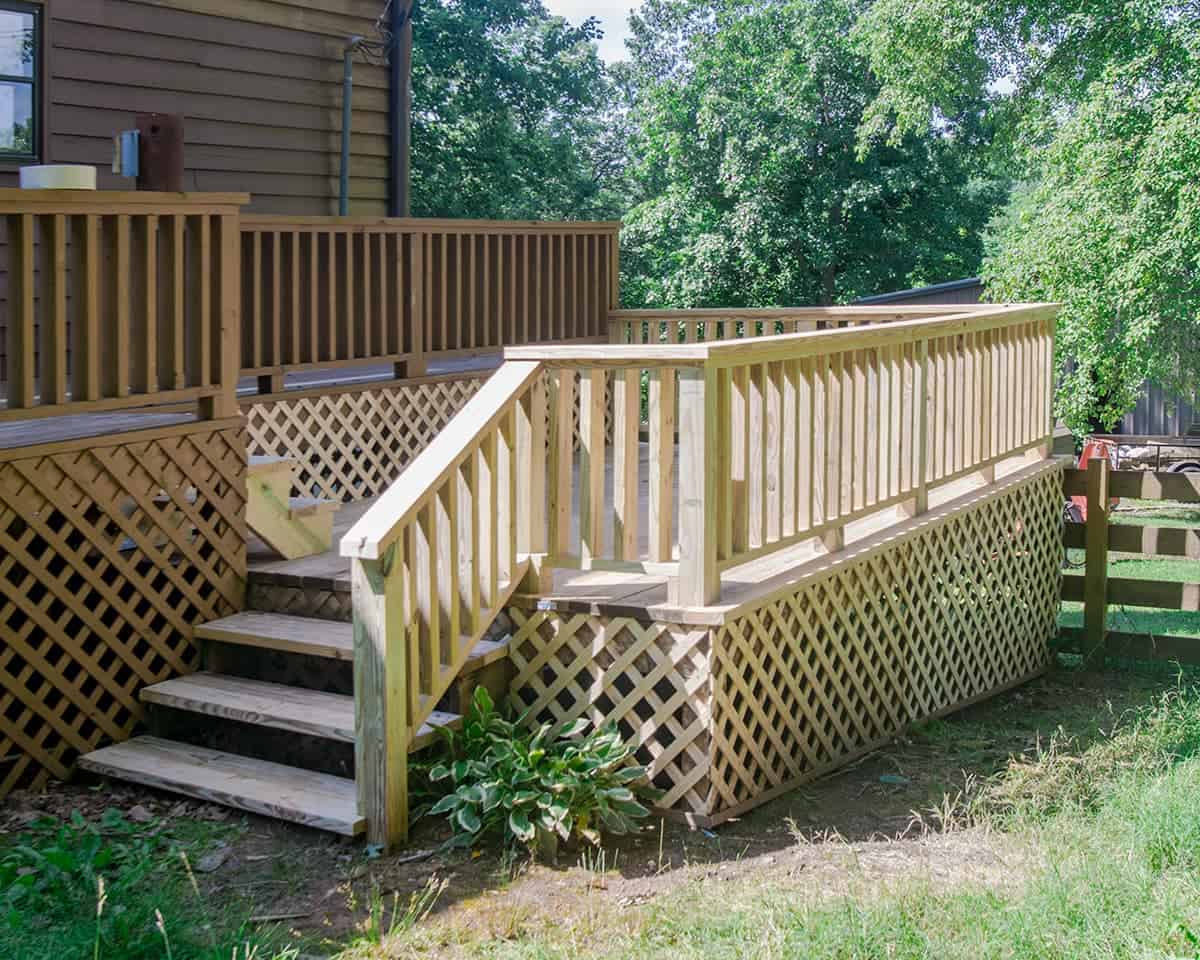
(311, 712)
(259, 786)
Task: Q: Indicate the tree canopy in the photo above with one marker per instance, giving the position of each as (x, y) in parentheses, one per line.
(1096, 105)
(748, 187)
(509, 108)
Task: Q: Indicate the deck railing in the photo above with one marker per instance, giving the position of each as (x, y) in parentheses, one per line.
(753, 445)
(119, 300)
(735, 323)
(326, 291)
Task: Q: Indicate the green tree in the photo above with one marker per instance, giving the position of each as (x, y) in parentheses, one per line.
(744, 160)
(1097, 104)
(509, 110)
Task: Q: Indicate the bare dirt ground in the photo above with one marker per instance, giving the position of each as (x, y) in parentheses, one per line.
(876, 820)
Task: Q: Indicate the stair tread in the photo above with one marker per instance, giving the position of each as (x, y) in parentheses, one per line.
(313, 712)
(331, 639)
(259, 786)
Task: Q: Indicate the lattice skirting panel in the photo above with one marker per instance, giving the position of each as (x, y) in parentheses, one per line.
(352, 444)
(111, 550)
(938, 614)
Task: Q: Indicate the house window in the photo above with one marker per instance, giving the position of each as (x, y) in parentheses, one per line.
(20, 80)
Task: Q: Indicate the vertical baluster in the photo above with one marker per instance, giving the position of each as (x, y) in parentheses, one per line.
(467, 530)
(294, 355)
(252, 318)
(724, 455)
(531, 467)
(806, 421)
(925, 397)
(22, 335)
(789, 437)
(144, 306)
(489, 533)
(562, 436)
(54, 310)
(739, 456)
(756, 457)
(506, 514)
(773, 464)
(833, 434)
(627, 403)
(699, 581)
(591, 465)
(366, 307)
(445, 507)
(662, 461)
(821, 439)
(429, 620)
(317, 273)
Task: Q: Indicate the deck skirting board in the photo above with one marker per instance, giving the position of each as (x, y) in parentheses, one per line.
(957, 606)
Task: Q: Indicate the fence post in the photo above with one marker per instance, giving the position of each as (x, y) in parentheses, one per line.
(1095, 590)
(380, 699)
(699, 578)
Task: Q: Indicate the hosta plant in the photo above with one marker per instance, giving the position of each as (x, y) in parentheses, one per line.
(532, 785)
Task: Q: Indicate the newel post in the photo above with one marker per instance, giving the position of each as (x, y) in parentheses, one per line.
(699, 578)
(380, 699)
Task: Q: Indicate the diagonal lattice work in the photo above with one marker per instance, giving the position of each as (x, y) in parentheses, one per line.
(941, 612)
(111, 550)
(650, 679)
(352, 444)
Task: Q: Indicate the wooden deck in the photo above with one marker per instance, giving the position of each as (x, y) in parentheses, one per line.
(642, 596)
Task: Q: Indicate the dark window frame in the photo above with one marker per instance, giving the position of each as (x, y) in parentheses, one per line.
(36, 82)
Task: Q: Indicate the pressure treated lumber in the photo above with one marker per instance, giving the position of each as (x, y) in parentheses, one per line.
(259, 786)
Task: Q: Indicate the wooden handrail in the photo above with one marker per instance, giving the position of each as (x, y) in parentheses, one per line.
(787, 346)
(434, 560)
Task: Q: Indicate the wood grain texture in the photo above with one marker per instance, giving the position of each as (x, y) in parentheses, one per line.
(259, 786)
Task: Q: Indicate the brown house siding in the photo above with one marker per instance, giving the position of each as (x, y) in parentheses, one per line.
(257, 81)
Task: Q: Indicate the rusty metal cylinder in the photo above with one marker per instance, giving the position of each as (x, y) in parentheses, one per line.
(160, 152)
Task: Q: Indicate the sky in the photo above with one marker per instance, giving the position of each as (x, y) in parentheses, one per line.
(612, 14)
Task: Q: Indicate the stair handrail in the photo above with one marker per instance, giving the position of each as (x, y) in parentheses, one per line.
(434, 560)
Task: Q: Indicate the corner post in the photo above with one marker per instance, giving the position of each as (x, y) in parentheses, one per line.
(380, 699)
(699, 578)
(531, 477)
(1095, 590)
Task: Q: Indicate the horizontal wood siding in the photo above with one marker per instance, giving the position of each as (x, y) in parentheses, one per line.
(259, 83)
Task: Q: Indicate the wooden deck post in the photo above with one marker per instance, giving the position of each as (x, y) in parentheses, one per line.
(380, 703)
(531, 478)
(699, 578)
(1095, 594)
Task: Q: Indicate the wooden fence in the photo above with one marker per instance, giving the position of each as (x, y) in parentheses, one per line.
(777, 439)
(119, 300)
(326, 291)
(1097, 536)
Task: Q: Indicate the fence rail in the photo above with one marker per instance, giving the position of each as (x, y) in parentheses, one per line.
(324, 291)
(1097, 590)
(119, 300)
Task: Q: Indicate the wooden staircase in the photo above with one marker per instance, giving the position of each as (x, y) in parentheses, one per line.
(292, 526)
(268, 725)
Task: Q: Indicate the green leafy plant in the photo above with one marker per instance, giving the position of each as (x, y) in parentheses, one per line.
(529, 785)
